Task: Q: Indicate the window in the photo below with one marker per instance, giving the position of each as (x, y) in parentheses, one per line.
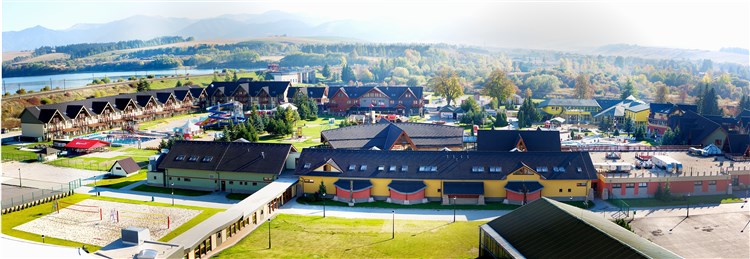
(154, 177)
(560, 189)
(170, 178)
(392, 101)
(616, 185)
(642, 185)
(381, 167)
(433, 169)
(352, 167)
(207, 159)
(541, 169)
(427, 168)
(404, 168)
(187, 179)
(568, 189)
(495, 169)
(477, 169)
(712, 182)
(630, 185)
(392, 168)
(581, 184)
(307, 165)
(118, 168)
(580, 170)
(179, 158)
(193, 158)
(363, 167)
(231, 182)
(698, 183)
(255, 183)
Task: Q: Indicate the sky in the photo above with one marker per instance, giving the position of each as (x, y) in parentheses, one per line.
(689, 24)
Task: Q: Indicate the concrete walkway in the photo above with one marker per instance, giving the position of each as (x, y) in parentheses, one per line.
(214, 200)
(294, 207)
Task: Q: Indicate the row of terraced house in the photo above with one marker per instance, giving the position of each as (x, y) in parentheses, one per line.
(45, 122)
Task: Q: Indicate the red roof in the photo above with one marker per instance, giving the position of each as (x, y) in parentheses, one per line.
(86, 143)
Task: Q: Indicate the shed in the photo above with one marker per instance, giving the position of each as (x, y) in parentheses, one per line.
(124, 167)
(47, 154)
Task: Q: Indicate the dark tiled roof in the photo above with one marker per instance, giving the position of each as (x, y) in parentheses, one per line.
(253, 88)
(607, 103)
(449, 165)
(227, 156)
(392, 92)
(521, 186)
(407, 187)
(383, 135)
(738, 143)
(128, 165)
(505, 140)
(721, 119)
(471, 188)
(543, 229)
(312, 92)
(694, 127)
(354, 185)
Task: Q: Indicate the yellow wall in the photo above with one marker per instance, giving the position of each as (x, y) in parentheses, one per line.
(380, 187)
(432, 188)
(315, 185)
(638, 117)
(554, 110)
(494, 188)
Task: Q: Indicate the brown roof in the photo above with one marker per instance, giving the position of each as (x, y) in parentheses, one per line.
(127, 164)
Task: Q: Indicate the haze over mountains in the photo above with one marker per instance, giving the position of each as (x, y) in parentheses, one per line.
(276, 23)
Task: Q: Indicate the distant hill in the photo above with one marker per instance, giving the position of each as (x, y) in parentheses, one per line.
(733, 55)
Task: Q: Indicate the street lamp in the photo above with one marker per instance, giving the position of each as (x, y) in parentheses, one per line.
(688, 206)
(324, 205)
(172, 184)
(19, 178)
(393, 230)
(269, 232)
(454, 208)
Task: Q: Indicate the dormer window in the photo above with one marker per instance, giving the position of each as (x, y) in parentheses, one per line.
(179, 158)
(404, 168)
(193, 158)
(381, 167)
(207, 159)
(307, 166)
(392, 168)
(352, 167)
(495, 169)
(363, 167)
(477, 169)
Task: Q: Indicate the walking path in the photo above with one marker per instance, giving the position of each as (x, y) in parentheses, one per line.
(214, 200)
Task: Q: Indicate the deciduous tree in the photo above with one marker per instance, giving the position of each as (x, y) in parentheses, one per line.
(446, 83)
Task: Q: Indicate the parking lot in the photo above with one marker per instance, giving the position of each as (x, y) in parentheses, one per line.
(724, 235)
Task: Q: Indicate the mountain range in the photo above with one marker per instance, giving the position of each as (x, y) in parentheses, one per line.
(274, 23)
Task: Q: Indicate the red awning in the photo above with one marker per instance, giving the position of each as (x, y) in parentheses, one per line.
(86, 143)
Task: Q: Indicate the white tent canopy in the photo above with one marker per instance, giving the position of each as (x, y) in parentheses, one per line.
(188, 128)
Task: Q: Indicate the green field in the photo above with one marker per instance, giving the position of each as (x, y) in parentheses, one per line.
(310, 130)
(681, 201)
(120, 182)
(295, 236)
(103, 164)
(202, 80)
(14, 219)
(10, 152)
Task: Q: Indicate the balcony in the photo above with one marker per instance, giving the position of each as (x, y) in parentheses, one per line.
(656, 122)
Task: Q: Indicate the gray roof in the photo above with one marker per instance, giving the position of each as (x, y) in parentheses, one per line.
(570, 102)
(549, 229)
(227, 156)
(448, 165)
(384, 135)
(506, 140)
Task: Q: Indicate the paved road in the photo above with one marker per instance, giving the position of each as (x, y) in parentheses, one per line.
(214, 200)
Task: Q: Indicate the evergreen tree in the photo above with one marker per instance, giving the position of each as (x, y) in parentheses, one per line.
(347, 74)
(628, 89)
(234, 76)
(326, 71)
(178, 84)
(501, 120)
(710, 103)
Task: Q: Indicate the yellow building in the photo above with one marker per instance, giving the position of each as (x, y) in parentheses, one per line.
(637, 110)
(409, 177)
(234, 167)
(572, 110)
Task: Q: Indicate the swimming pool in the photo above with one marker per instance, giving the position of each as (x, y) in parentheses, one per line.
(118, 139)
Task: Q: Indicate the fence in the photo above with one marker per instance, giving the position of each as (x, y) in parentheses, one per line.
(82, 164)
(19, 157)
(43, 192)
(624, 207)
(628, 148)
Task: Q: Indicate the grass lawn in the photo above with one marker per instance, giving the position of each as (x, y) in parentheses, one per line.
(310, 129)
(14, 219)
(316, 237)
(10, 152)
(429, 206)
(152, 124)
(203, 80)
(677, 201)
(120, 182)
(183, 192)
(237, 196)
(101, 163)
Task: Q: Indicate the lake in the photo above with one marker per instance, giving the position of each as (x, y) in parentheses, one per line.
(36, 83)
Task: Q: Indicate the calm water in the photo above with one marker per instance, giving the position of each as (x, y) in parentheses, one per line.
(36, 83)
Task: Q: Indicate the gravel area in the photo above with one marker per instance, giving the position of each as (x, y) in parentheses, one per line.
(84, 225)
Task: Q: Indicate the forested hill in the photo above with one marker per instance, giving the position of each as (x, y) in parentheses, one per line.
(733, 55)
